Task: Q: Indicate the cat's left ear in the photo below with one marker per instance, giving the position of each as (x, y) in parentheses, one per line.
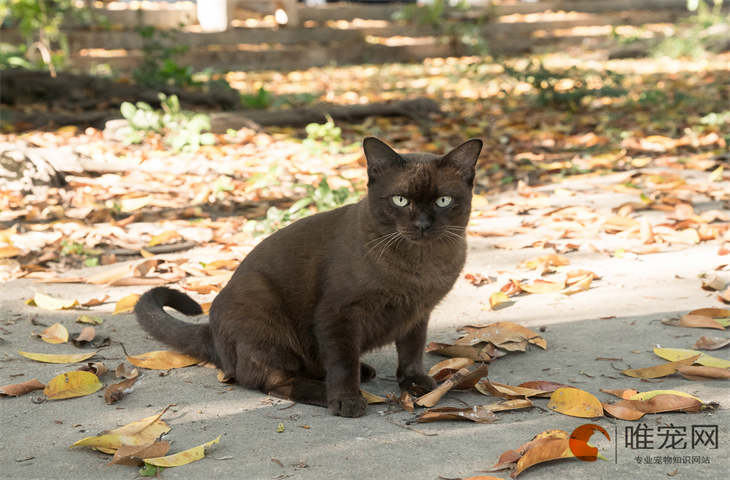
(463, 158)
(380, 157)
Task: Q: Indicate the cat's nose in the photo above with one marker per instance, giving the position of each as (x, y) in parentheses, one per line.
(422, 224)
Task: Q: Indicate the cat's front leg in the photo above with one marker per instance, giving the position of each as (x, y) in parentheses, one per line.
(340, 351)
(410, 346)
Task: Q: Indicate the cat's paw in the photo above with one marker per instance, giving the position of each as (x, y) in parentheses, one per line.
(367, 372)
(418, 383)
(348, 406)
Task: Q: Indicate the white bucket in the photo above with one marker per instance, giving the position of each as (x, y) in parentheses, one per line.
(213, 15)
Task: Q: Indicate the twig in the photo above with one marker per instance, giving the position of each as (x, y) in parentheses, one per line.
(427, 434)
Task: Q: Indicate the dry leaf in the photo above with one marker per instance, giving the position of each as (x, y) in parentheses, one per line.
(495, 389)
(97, 368)
(47, 302)
(182, 458)
(162, 360)
(542, 286)
(133, 455)
(87, 335)
(674, 354)
(126, 304)
(658, 371)
(371, 398)
(713, 283)
(9, 251)
(477, 413)
(450, 366)
(57, 358)
(693, 321)
(143, 268)
(575, 402)
(478, 353)
(544, 385)
(544, 263)
(90, 320)
(711, 343)
(702, 373)
(407, 402)
(711, 312)
(509, 458)
(115, 392)
(55, 334)
(139, 433)
(625, 393)
(432, 398)
(543, 450)
(498, 298)
(125, 371)
(110, 275)
(72, 384)
(580, 284)
(94, 302)
(505, 335)
(469, 381)
(635, 409)
(18, 389)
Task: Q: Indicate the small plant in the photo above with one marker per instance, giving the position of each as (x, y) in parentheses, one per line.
(323, 137)
(568, 89)
(183, 131)
(698, 33)
(259, 101)
(90, 256)
(316, 199)
(158, 67)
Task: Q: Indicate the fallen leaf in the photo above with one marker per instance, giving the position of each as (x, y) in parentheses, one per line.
(713, 283)
(182, 458)
(87, 335)
(477, 279)
(47, 302)
(115, 392)
(9, 251)
(72, 384)
(701, 373)
(110, 275)
(501, 335)
(478, 353)
(55, 334)
(575, 402)
(724, 296)
(407, 402)
(371, 398)
(478, 414)
(474, 376)
(693, 321)
(451, 365)
(138, 433)
(711, 312)
(18, 389)
(542, 286)
(579, 285)
(95, 301)
(90, 320)
(658, 371)
(635, 409)
(544, 263)
(674, 354)
(432, 398)
(97, 368)
(126, 304)
(162, 360)
(125, 371)
(711, 343)
(509, 458)
(57, 358)
(543, 450)
(625, 393)
(653, 393)
(495, 389)
(497, 298)
(543, 385)
(133, 455)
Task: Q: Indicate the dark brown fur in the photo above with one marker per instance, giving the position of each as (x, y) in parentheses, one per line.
(310, 299)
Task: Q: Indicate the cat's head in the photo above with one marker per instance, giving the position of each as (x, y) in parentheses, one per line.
(420, 195)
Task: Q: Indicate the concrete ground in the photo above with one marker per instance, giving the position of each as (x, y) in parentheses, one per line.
(619, 317)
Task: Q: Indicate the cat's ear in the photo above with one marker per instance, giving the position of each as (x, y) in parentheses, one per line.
(380, 157)
(463, 158)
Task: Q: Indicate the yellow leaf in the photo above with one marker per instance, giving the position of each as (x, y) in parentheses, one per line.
(167, 236)
(139, 432)
(132, 204)
(47, 302)
(89, 319)
(126, 304)
(372, 398)
(543, 286)
(62, 358)
(674, 354)
(653, 393)
(9, 251)
(72, 384)
(182, 458)
(56, 333)
(662, 370)
(145, 253)
(162, 360)
(575, 402)
(497, 298)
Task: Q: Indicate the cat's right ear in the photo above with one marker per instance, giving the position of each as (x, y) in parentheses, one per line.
(380, 157)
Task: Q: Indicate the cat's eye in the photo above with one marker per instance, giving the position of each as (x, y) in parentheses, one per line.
(399, 200)
(444, 201)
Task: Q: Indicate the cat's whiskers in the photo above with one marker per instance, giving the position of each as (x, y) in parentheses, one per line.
(379, 241)
(391, 241)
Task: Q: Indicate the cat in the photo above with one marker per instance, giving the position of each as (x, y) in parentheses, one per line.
(307, 301)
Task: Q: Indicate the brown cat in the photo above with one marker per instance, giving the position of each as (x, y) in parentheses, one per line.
(310, 299)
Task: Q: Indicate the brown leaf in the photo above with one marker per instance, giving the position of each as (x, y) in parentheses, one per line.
(478, 353)
(505, 335)
(711, 312)
(406, 401)
(543, 450)
(724, 296)
(702, 373)
(542, 286)
(469, 381)
(544, 263)
(509, 458)
(162, 360)
(143, 268)
(477, 279)
(432, 398)
(123, 370)
(117, 391)
(693, 321)
(87, 335)
(450, 364)
(55, 334)
(544, 385)
(713, 283)
(133, 455)
(95, 301)
(635, 409)
(479, 414)
(18, 389)
(711, 343)
(486, 387)
(97, 368)
(625, 393)
(658, 371)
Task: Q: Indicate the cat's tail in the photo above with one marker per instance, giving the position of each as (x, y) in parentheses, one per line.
(189, 338)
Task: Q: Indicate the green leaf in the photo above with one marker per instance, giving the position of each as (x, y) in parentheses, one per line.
(128, 110)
